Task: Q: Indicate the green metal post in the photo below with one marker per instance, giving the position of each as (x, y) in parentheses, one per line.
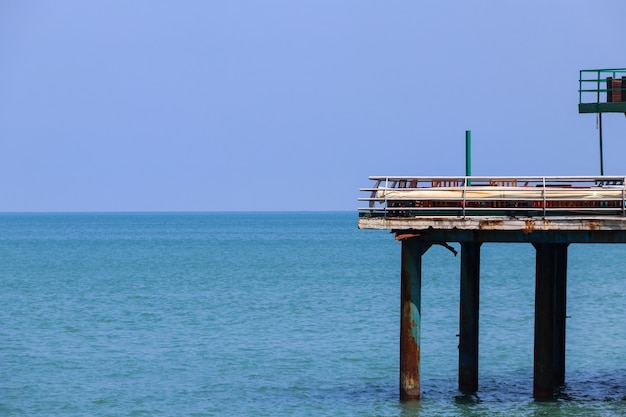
(601, 156)
(468, 155)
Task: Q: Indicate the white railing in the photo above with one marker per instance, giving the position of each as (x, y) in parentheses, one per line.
(531, 196)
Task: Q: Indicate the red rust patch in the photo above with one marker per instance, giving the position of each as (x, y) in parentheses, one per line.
(409, 357)
(490, 224)
(594, 225)
(402, 236)
(529, 227)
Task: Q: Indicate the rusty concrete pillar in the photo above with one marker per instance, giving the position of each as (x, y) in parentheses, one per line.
(410, 300)
(544, 321)
(468, 317)
(560, 312)
(550, 302)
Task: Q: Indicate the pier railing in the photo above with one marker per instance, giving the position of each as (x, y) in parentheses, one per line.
(532, 196)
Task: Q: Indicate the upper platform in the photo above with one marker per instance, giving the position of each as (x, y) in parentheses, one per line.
(602, 91)
(506, 209)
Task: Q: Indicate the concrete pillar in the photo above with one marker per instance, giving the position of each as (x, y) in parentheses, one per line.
(560, 313)
(468, 317)
(550, 302)
(410, 300)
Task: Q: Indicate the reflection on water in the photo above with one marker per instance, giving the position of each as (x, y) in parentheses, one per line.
(599, 394)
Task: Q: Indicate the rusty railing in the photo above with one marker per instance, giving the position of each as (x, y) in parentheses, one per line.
(532, 196)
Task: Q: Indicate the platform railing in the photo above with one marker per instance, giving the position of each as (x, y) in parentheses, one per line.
(527, 196)
(593, 85)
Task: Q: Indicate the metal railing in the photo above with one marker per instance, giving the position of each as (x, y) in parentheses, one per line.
(531, 196)
(593, 86)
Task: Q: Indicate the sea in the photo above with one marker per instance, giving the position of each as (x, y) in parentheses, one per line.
(279, 314)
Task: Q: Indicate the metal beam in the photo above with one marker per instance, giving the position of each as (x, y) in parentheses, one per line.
(410, 306)
(526, 235)
(619, 107)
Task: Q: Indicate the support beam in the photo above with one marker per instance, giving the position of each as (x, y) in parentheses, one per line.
(468, 317)
(410, 299)
(549, 361)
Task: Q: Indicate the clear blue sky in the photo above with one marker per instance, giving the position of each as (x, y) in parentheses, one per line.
(290, 105)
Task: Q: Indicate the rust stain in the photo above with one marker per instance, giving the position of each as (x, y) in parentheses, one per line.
(490, 224)
(594, 225)
(409, 358)
(529, 227)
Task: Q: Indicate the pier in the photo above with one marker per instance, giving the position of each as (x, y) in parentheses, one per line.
(548, 212)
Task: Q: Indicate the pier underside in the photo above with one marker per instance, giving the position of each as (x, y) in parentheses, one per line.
(550, 314)
(504, 229)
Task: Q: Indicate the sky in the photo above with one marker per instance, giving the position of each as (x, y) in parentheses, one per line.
(283, 105)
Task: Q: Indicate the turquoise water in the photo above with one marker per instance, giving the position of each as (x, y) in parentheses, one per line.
(278, 314)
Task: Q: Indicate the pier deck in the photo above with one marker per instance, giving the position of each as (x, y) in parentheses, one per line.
(499, 209)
